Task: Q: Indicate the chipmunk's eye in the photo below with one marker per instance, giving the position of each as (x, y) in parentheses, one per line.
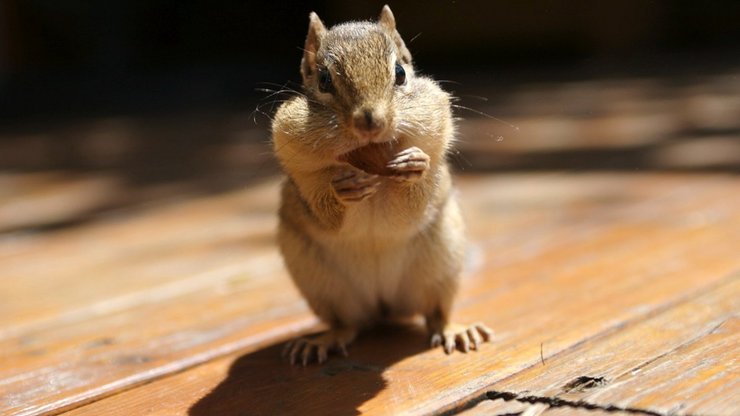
(324, 80)
(400, 75)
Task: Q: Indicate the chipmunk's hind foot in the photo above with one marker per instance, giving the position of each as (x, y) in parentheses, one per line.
(465, 338)
(306, 350)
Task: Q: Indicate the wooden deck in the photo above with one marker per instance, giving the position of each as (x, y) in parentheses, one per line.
(139, 273)
(609, 292)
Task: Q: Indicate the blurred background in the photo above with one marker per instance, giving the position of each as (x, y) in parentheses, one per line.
(114, 104)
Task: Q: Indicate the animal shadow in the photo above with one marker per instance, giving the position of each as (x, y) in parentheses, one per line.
(263, 383)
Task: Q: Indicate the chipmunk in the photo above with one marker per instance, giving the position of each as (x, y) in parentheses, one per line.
(369, 227)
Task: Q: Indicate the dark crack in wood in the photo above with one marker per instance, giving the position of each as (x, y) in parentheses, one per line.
(558, 402)
(584, 383)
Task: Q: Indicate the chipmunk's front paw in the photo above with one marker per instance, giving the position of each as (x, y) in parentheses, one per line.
(465, 338)
(354, 185)
(316, 349)
(408, 165)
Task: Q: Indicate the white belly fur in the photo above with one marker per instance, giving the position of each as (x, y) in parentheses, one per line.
(373, 256)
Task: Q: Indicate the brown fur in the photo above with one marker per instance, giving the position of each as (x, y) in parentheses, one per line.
(359, 245)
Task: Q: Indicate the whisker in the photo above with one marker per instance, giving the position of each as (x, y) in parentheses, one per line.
(448, 81)
(477, 97)
(458, 156)
(484, 114)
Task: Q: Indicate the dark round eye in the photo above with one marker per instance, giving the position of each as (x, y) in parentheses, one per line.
(324, 80)
(400, 75)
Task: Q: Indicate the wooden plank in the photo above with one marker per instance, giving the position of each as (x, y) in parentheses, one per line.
(124, 255)
(70, 364)
(681, 361)
(50, 278)
(646, 256)
(116, 303)
(700, 377)
(501, 407)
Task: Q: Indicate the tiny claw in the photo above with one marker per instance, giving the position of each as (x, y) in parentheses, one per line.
(436, 340)
(464, 338)
(474, 338)
(317, 349)
(464, 341)
(322, 354)
(286, 348)
(485, 331)
(411, 159)
(449, 344)
(306, 354)
(297, 347)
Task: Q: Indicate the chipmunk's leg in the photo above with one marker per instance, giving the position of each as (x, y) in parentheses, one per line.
(307, 349)
(450, 335)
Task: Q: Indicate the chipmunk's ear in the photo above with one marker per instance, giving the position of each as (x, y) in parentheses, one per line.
(316, 31)
(388, 22)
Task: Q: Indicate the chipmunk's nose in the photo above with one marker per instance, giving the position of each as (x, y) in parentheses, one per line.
(368, 123)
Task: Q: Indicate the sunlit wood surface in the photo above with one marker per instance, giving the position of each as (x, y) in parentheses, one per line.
(608, 291)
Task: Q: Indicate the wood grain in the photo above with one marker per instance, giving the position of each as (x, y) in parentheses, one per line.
(699, 377)
(561, 261)
(47, 277)
(113, 304)
(674, 362)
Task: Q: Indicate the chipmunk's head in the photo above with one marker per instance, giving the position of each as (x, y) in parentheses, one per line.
(357, 69)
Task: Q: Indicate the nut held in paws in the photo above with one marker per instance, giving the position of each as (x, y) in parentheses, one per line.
(372, 158)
